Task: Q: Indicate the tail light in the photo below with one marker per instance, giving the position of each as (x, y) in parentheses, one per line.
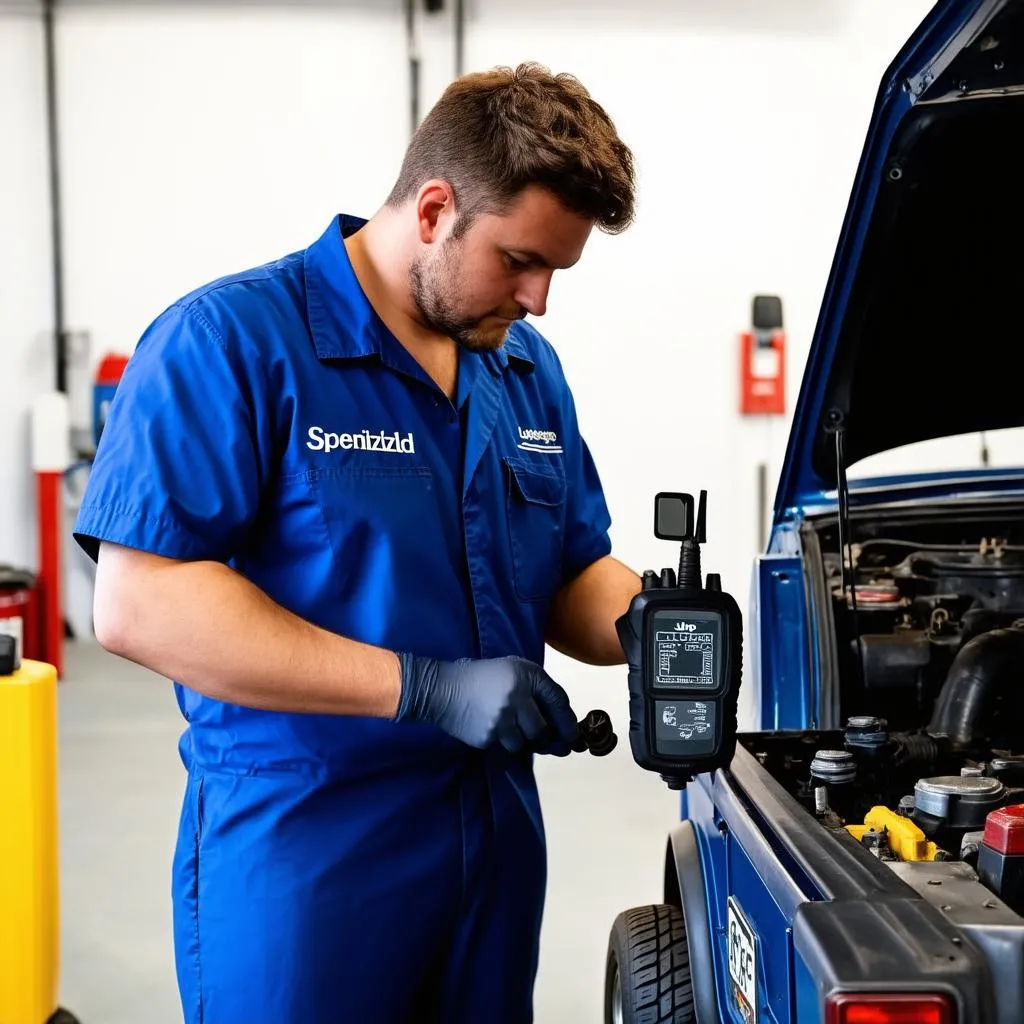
(884, 1008)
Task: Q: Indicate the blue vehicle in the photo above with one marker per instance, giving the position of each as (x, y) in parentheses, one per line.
(860, 860)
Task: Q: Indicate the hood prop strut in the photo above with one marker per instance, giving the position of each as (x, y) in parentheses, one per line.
(835, 425)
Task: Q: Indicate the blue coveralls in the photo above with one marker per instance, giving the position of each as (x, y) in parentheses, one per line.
(332, 868)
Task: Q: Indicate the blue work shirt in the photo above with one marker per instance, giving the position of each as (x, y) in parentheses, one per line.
(271, 421)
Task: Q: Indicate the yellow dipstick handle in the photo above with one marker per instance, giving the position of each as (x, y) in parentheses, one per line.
(906, 840)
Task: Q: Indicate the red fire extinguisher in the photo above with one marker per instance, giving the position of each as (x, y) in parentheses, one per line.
(763, 360)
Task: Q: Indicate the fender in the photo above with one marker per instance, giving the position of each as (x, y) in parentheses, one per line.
(684, 888)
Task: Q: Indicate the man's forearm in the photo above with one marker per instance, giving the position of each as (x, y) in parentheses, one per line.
(209, 628)
(585, 610)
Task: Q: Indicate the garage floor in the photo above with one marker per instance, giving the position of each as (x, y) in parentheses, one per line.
(121, 783)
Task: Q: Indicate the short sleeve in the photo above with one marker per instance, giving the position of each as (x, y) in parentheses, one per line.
(178, 470)
(587, 520)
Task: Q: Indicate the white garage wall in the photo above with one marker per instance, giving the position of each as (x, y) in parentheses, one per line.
(26, 304)
(200, 140)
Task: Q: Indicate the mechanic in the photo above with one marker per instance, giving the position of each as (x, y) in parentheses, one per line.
(343, 501)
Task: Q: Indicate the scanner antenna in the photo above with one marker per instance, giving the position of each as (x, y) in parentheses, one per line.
(690, 577)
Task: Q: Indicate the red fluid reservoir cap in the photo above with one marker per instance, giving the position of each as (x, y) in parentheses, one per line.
(1004, 830)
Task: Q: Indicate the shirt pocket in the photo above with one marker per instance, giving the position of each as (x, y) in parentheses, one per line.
(536, 525)
(381, 522)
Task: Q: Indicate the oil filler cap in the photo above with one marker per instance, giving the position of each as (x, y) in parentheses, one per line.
(1004, 830)
(958, 801)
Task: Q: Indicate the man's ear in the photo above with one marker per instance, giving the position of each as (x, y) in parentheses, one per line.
(435, 209)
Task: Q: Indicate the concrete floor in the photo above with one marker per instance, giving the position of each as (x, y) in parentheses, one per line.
(121, 784)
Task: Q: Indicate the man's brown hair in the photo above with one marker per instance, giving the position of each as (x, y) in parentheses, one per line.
(494, 133)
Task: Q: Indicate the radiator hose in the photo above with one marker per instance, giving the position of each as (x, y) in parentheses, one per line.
(987, 668)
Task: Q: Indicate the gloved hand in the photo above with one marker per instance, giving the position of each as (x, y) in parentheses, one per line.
(510, 701)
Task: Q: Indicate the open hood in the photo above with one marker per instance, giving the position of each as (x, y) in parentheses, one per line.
(921, 330)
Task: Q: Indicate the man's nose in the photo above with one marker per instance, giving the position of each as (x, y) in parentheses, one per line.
(532, 293)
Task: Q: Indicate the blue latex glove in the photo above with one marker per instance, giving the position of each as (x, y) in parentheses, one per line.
(510, 701)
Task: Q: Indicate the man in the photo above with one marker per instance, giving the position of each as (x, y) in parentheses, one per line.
(343, 501)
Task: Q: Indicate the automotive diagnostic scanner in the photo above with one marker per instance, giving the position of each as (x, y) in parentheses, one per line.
(684, 645)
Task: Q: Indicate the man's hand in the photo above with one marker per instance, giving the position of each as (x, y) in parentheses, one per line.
(510, 701)
(584, 612)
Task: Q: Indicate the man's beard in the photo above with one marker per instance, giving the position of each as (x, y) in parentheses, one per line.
(436, 302)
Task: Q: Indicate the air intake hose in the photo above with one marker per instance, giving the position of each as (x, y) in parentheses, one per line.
(987, 667)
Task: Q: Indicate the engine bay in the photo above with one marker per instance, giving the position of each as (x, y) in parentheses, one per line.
(905, 796)
(924, 630)
(924, 602)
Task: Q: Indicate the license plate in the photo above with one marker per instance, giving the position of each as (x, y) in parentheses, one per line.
(742, 963)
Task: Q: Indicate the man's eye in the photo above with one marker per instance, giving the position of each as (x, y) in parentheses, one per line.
(515, 264)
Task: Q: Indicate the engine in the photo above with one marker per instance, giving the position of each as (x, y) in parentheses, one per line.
(929, 658)
(907, 796)
(908, 622)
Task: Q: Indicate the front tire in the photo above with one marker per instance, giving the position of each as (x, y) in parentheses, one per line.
(63, 1017)
(647, 973)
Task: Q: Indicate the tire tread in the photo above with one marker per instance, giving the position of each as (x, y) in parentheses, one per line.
(654, 965)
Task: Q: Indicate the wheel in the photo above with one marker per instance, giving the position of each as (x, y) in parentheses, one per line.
(63, 1017)
(647, 975)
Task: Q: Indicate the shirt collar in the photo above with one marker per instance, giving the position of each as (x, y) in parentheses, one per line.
(343, 323)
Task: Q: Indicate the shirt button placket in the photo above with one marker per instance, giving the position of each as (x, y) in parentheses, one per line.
(477, 583)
